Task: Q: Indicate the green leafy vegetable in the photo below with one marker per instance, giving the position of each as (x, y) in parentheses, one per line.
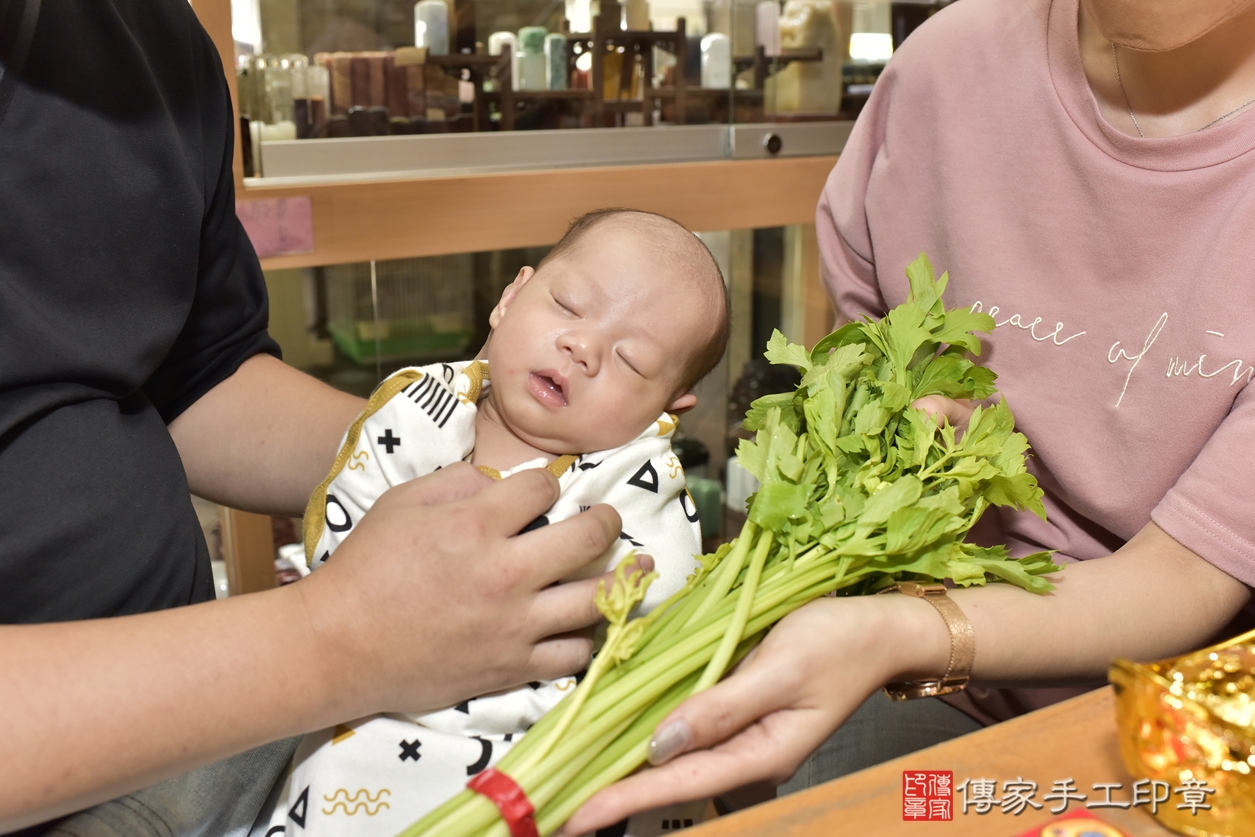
(858, 490)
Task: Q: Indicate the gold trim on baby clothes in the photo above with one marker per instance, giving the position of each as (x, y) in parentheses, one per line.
(476, 373)
(558, 467)
(316, 509)
(562, 464)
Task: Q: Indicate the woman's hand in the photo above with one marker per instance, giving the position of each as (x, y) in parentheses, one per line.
(809, 674)
(947, 410)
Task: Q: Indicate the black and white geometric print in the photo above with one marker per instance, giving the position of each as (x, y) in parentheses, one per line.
(379, 775)
(434, 394)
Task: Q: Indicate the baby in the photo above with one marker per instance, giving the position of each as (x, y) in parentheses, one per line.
(591, 358)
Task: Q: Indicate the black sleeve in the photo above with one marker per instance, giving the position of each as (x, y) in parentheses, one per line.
(227, 322)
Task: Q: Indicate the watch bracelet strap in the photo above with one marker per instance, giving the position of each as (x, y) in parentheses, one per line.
(962, 645)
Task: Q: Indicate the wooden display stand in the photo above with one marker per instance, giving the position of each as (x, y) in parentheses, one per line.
(637, 46)
(480, 66)
(763, 65)
(637, 49)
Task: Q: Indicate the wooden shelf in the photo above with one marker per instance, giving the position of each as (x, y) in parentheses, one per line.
(429, 216)
(477, 59)
(707, 92)
(555, 95)
(809, 54)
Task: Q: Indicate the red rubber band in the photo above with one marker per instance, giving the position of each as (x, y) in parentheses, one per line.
(510, 800)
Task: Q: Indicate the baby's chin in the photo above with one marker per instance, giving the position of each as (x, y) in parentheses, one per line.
(549, 433)
(577, 446)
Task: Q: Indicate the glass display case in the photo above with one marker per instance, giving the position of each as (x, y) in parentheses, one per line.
(331, 70)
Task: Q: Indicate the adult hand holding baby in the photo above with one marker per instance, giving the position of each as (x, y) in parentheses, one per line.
(432, 600)
(434, 597)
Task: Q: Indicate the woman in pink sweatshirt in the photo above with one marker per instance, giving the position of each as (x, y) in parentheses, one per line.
(1086, 173)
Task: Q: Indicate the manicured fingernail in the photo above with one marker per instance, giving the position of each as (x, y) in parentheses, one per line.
(669, 742)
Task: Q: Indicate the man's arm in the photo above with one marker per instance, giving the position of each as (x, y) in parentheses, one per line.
(264, 438)
(430, 600)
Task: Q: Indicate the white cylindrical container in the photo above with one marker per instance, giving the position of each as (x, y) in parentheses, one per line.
(663, 14)
(579, 15)
(506, 43)
(555, 61)
(716, 61)
(503, 43)
(767, 24)
(531, 63)
(431, 26)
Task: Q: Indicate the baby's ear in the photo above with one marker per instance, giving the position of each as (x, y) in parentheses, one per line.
(682, 404)
(508, 295)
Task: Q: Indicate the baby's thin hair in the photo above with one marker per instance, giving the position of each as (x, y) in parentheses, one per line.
(699, 260)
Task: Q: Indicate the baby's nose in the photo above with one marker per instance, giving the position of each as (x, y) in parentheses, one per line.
(583, 350)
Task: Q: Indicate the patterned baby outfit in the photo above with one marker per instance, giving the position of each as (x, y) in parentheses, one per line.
(376, 776)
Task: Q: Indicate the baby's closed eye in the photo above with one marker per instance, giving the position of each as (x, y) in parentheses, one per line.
(628, 363)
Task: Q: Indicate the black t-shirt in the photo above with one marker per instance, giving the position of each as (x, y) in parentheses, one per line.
(128, 289)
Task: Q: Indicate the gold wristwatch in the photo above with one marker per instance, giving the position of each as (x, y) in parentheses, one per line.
(962, 645)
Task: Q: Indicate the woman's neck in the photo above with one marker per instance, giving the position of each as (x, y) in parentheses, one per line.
(1177, 91)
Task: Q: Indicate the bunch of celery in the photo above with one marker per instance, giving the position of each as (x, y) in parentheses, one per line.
(858, 490)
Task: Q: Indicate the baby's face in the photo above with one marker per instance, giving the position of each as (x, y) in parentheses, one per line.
(588, 351)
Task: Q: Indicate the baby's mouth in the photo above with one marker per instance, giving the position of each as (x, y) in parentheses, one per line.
(548, 387)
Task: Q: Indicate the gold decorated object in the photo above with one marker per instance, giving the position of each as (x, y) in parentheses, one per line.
(1189, 722)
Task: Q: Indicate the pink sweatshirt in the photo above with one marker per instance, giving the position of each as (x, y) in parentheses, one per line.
(1120, 272)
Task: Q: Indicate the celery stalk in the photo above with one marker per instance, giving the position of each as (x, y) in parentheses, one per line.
(725, 576)
(745, 600)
